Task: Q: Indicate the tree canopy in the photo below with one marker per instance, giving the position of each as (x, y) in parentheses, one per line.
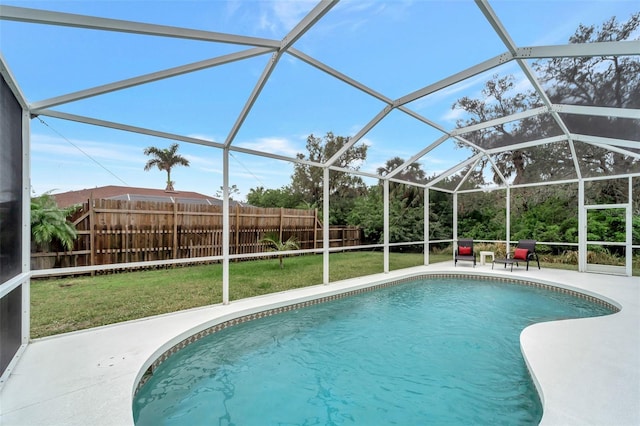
(608, 81)
(344, 188)
(546, 213)
(165, 159)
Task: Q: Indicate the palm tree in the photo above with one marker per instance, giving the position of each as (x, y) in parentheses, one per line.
(49, 223)
(276, 245)
(165, 159)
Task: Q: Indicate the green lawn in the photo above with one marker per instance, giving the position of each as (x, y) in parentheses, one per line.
(60, 305)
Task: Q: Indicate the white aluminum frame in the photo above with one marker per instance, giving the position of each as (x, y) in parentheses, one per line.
(23, 279)
(277, 48)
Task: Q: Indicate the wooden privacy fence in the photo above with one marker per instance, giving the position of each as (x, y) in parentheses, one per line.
(119, 231)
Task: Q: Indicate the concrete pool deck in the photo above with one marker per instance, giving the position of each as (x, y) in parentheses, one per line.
(587, 370)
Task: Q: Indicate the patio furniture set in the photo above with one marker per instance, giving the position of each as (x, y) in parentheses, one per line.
(524, 252)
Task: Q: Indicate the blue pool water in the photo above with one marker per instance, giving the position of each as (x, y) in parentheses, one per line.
(438, 351)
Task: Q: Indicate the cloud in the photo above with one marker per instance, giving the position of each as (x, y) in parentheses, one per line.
(274, 145)
(284, 15)
(76, 148)
(204, 137)
(204, 163)
(453, 115)
(366, 141)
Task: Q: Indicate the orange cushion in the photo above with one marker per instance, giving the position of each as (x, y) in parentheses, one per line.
(462, 250)
(521, 254)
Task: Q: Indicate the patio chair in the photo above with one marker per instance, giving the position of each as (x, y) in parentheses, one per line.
(465, 251)
(525, 251)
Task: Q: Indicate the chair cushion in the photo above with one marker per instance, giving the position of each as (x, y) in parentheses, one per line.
(520, 254)
(464, 251)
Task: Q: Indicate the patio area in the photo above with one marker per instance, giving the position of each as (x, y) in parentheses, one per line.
(586, 370)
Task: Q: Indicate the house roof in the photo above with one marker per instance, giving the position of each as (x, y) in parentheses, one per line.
(114, 192)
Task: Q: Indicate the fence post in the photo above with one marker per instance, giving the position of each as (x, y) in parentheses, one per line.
(92, 234)
(281, 220)
(237, 228)
(315, 228)
(175, 229)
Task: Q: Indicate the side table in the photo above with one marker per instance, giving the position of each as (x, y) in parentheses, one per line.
(484, 255)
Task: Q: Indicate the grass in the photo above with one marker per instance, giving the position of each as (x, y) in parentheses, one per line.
(60, 305)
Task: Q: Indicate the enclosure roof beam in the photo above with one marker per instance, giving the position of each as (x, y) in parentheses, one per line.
(438, 127)
(598, 111)
(521, 185)
(406, 182)
(524, 145)
(274, 156)
(375, 120)
(417, 156)
(455, 78)
(454, 169)
(148, 78)
(337, 74)
(608, 48)
(501, 120)
(253, 97)
(298, 31)
(466, 176)
(170, 136)
(307, 22)
(497, 170)
(524, 66)
(11, 81)
(610, 144)
(36, 16)
(356, 84)
(355, 172)
(614, 176)
(125, 127)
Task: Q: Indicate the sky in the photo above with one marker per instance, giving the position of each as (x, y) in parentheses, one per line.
(393, 47)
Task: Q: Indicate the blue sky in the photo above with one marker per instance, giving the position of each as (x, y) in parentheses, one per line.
(392, 47)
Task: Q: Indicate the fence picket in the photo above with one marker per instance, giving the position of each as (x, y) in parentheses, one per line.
(120, 231)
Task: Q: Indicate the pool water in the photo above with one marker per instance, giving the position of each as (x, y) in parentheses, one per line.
(437, 351)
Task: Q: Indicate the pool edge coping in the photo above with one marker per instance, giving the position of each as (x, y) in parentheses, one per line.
(213, 326)
(69, 389)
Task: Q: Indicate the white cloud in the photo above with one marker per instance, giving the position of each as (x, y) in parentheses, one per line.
(453, 114)
(202, 162)
(274, 145)
(366, 141)
(62, 148)
(204, 137)
(284, 15)
(212, 170)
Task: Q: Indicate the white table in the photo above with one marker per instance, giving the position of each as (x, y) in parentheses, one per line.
(484, 254)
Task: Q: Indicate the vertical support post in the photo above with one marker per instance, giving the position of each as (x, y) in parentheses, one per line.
(385, 212)
(629, 231)
(455, 224)
(26, 227)
(325, 225)
(582, 229)
(225, 226)
(508, 221)
(426, 226)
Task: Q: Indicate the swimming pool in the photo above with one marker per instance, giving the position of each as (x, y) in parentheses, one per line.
(431, 351)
